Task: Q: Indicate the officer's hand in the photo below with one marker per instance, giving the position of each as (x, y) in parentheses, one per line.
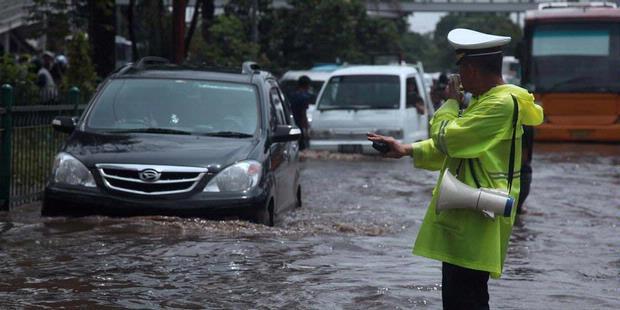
(454, 90)
(397, 150)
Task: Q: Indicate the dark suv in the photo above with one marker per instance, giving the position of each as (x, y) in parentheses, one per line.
(164, 139)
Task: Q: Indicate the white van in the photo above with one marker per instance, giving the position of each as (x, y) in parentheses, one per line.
(388, 100)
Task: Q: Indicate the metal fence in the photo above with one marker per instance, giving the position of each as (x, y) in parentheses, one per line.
(28, 143)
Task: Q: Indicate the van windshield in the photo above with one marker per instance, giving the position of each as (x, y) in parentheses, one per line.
(357, 92)
(176, 107)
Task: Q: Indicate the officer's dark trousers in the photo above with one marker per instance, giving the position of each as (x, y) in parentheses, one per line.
(463, 288)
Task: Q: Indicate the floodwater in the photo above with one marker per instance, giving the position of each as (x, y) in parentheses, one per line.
(348, 247)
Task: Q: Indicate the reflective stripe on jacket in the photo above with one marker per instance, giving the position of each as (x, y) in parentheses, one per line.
(483, 135)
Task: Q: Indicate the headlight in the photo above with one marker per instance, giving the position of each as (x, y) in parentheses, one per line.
(395, 133)
(320, 133)
(239, 177)
(68, 170)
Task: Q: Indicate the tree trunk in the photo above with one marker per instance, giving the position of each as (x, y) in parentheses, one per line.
(132, 33)
(164, 50)
(178, 30)
(101, 34)
(208, 13)
(192, 27)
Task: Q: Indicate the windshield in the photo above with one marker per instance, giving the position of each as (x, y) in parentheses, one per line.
(361, 92)
(167, 106)
(575, 58)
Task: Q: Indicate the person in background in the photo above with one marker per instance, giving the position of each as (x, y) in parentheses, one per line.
(58, 68)
(413, 97)
(438, 91)
(300, 100)
(527, 148)
(47, 87)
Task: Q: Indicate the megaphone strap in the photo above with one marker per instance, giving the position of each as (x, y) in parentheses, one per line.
(473, 173)
(511, 163)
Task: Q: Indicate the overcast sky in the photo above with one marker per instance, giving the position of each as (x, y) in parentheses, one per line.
(424, 22)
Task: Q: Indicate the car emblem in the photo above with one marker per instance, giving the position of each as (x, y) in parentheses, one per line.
(149, 175)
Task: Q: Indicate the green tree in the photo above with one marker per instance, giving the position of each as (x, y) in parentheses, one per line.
(493, 23)
(102, 32)
(81, 72)
(314, 31)
(228, 45)
(49, 18)
(420, 47)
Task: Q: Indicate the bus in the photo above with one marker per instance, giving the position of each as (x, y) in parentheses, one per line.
(570, 60)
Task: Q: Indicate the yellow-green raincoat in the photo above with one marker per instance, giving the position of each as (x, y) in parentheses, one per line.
(483, 133)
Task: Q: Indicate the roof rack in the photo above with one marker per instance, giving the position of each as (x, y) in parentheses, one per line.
(584, 5)
(250, 67)
(151, 60)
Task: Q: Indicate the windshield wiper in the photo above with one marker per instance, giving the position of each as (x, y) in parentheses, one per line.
(153, 130)
(231, 134)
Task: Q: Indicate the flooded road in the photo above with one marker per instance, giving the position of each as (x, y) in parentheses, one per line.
(348, 247)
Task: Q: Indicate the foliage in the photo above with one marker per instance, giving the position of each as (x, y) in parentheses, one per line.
(492, 23)
(81, 72)
(49, 18)
(420, 47)
(313, 31)
(153, 25)
(21, 77)
(228, 45)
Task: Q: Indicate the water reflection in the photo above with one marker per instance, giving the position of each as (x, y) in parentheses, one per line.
(349, 247)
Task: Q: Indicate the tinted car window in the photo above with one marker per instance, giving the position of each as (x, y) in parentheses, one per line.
(277, 108)
(361, 92)
(188, 105)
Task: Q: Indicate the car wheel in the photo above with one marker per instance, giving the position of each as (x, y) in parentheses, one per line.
(265, 215)
(298, 202)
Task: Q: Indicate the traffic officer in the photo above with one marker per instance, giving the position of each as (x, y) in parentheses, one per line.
(478, 146)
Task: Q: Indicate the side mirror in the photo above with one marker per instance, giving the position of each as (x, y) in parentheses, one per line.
(286, 133)
(64, 124)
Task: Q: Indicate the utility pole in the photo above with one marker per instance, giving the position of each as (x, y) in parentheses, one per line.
(178, 30)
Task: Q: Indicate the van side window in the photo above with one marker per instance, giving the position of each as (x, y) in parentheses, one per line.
(414, 99)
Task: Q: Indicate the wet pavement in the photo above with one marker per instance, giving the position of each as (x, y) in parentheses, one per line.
(348, 247)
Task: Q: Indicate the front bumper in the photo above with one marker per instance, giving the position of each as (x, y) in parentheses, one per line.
(59, 200)
(552, 132)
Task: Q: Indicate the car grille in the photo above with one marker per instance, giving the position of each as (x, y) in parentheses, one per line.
(150, 179)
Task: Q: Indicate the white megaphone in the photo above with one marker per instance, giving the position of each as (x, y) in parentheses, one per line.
(454, 194)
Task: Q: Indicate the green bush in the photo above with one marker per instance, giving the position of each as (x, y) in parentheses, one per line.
(81, 72)
(21, 78)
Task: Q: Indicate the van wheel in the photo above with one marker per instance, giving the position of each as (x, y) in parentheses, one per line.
(298, 202)
(265, 215)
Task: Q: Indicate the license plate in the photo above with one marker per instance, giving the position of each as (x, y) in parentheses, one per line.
(350, 148)
(580, 133)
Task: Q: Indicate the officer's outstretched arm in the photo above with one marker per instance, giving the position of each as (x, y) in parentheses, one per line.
(479, 129)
